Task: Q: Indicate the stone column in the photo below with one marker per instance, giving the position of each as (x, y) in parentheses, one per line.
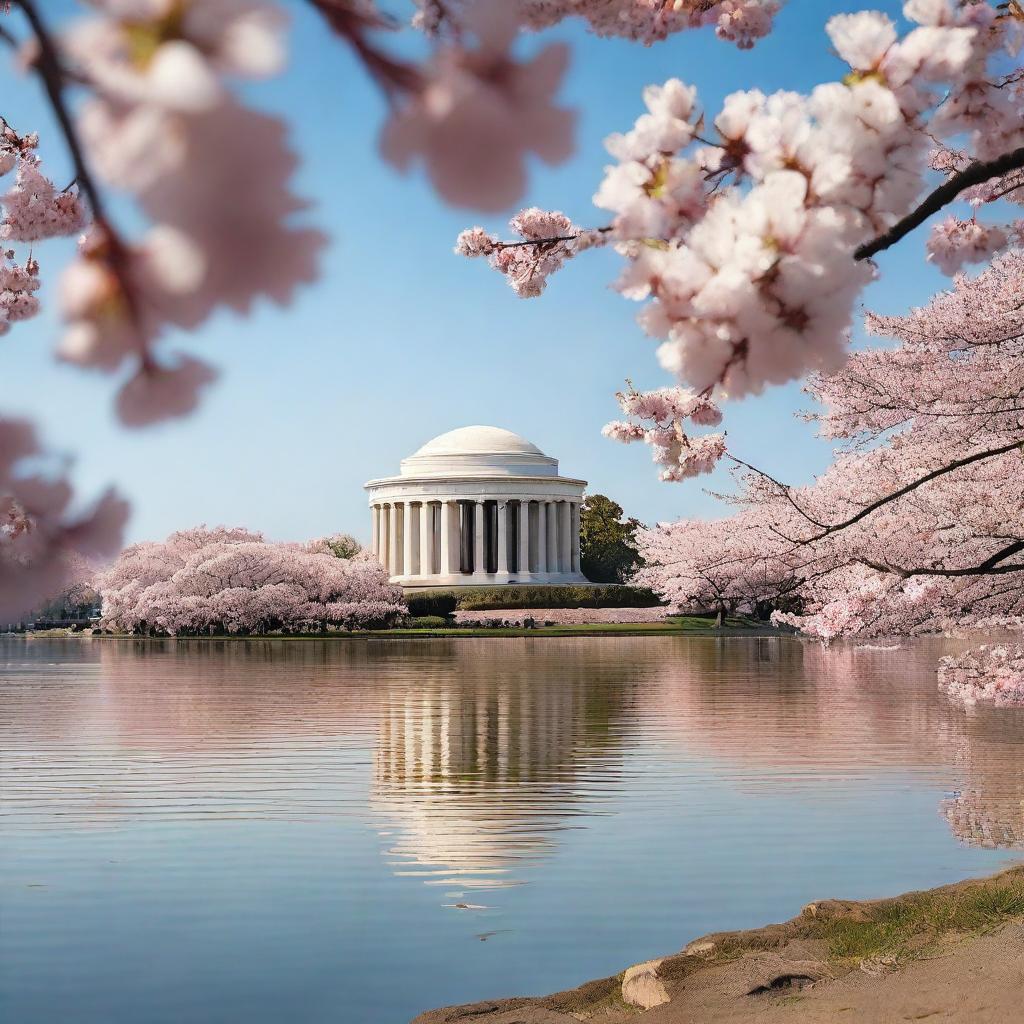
(552, 518)
(374, 528)
(426, 552)
(524, 536)
(503, 536)
(447, 549)
(411, 540)
(542, 537)
(394, 568)
(382, 535)
(564, 537)
(576, 536)
(479, 526)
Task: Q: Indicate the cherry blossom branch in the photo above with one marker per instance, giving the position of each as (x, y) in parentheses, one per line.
(353, 25)
(975, 174)
(554, 238)
(913, 485)
(48, 65)
(990, 567)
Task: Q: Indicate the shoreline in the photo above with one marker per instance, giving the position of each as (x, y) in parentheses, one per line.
(954, 953)
(595, 630)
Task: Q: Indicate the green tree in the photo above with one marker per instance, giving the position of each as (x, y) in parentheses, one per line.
(608, 552)
(341, 545)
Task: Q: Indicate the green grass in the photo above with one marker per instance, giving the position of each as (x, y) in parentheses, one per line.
(881, 933)
(671, 626)
(902, 928)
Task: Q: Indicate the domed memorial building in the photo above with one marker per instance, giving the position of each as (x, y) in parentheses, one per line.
(477, 506)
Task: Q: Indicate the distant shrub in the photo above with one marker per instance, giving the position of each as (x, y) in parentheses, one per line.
(427, 622)
(576, 596)
(432, 602)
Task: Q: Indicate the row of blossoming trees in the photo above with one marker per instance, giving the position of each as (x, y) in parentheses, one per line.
(234, 581)
(747, 233)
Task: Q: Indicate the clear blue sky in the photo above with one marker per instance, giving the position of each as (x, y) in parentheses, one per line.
(401, 340)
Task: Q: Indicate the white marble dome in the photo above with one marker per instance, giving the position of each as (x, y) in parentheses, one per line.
(479, 451)
(477, 440)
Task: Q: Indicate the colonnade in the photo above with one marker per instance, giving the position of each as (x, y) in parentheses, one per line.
(478, 538)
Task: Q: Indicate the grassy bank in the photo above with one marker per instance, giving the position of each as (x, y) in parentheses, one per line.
(680, 625)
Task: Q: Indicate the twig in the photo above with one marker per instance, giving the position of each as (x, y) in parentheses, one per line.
(786, 490)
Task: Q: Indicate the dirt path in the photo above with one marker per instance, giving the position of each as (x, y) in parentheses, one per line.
(953, 954)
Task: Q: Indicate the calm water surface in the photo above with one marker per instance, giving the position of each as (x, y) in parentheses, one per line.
(258, 832)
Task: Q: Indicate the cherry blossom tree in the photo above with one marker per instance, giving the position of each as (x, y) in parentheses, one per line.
(747, 233)
(918, 526)
(723, 565)
(234, 581)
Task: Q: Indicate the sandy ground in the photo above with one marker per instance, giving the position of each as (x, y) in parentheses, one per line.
(950, 954)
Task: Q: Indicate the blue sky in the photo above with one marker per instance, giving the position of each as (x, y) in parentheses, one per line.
(401, 340)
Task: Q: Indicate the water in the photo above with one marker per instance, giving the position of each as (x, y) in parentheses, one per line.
(205, 832)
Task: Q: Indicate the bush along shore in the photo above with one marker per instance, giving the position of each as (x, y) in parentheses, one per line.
(954, 954)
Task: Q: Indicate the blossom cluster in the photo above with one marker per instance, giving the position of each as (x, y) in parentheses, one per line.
(31, 209)
(478, 112)
(547, 239)
(234, 581)
(742, 22)
(162, 123)
(658, 419)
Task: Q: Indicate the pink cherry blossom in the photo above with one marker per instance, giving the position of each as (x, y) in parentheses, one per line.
(744, 239)
(42, 538)
(34, 209)
(156, 392)
(955, 242)
(480, 112)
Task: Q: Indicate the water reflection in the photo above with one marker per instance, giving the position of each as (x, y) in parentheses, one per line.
(482, 766)
(846, 713)
(474, 757)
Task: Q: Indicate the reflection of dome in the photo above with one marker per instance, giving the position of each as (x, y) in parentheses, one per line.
(476, 771)
(479, 451)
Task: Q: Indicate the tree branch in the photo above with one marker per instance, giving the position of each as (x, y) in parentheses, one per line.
(974, 174)
(991, 453)
(51, 72)
(989, 567)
